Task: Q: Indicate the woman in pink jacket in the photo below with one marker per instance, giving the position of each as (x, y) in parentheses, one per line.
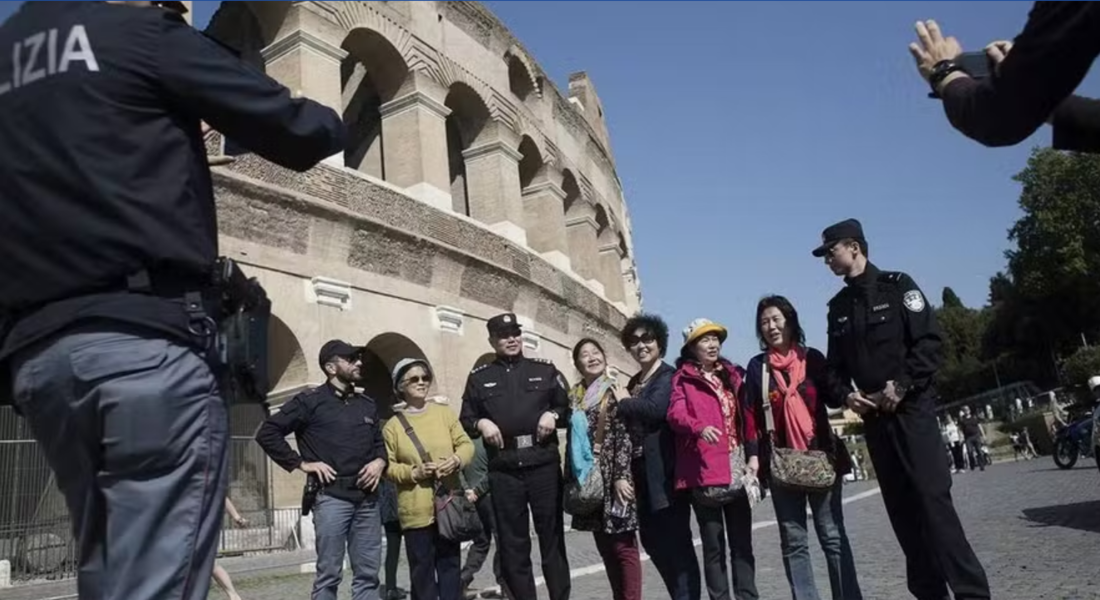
(710, 424)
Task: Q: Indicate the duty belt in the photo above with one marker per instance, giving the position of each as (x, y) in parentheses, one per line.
(519, 442)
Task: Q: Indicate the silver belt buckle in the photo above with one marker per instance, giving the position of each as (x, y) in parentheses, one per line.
(524, 441)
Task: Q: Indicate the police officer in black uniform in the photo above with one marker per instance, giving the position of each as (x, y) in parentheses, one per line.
(517, 404)
(884, 350)
(108, 241)
(341, 449)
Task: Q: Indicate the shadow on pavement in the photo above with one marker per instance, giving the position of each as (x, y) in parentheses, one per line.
(1084, 516)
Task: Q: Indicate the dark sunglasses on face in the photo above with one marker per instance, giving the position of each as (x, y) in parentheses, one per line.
(416, 379)
(645, 338)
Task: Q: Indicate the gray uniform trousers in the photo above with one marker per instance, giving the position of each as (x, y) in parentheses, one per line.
(136, 431)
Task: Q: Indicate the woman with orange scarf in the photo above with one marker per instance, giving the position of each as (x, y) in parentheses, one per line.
(796, 377)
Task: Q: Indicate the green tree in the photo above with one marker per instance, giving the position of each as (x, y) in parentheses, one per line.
(1081, 365)
(1050, 295)
(951, 299)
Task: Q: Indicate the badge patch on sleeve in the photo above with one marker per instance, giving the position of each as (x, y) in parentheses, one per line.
(914, 301)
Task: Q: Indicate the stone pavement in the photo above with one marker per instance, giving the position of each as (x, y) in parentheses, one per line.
(1035, 528)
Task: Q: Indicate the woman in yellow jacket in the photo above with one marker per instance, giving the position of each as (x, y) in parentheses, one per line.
(435, 564)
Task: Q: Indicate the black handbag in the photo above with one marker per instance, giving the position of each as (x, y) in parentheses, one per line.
(456, 518)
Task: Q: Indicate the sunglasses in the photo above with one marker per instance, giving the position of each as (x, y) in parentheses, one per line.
(645, 338)
(417, 379)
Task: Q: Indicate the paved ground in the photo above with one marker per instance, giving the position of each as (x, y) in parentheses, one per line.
(1035, 528)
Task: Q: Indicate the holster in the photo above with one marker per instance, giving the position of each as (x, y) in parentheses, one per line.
(243, 315)
(309, 493)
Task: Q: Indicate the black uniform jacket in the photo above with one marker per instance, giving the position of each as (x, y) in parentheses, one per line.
(514, 394)
(881, 328)
(337, 428)
(103, 168)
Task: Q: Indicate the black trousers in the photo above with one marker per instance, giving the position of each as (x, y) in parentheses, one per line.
(519, 497)
(479, 548)
(907, 452)
(732, 523)
(666, 538)
(434, 565)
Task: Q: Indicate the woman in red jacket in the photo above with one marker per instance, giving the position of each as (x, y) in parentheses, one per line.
(711, 427)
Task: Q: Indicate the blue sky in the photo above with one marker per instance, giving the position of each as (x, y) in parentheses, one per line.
(741, 130)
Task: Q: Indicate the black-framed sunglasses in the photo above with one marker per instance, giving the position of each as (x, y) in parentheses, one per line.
(417, 379)
(645, 338)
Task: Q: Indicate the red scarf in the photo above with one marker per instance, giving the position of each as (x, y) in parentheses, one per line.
(798, 422)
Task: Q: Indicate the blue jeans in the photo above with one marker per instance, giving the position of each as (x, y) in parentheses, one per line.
(828, 514)
(135, 430)
(356, 527)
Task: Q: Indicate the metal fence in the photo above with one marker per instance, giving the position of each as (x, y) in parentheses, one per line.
(34, 522)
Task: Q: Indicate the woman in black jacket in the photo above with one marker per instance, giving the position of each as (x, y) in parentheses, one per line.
(664, 515)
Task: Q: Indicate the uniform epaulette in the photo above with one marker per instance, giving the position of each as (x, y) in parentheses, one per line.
(480, 368)
(890, 276)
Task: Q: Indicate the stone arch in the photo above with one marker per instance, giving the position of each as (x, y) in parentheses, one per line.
(380, 356)
(531, 163)
(466, 124)
(573, 201)
(522, 78)
(371, 75)
(287, 365)
(604, 230)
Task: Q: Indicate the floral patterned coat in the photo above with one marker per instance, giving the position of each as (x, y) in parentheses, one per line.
(614, 464)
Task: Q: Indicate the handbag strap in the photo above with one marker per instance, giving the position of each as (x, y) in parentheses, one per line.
(409, 431)
(424, 456)
(765, 398)
(601, 426)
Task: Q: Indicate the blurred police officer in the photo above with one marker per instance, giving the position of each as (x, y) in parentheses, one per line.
(884, 350)
(109, 225)
(340, 440)
(517, 404)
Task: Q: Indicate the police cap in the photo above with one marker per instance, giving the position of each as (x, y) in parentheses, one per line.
(849, 229)
(337, 348)
(502, 326)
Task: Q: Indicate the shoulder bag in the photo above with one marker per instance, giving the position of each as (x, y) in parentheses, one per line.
(456, 518)
(803, 470)
(586, 497)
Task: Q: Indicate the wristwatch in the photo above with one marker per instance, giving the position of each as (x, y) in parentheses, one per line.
(900, 389)
(939, 72)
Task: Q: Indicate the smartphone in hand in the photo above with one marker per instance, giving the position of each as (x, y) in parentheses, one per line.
(975, 64)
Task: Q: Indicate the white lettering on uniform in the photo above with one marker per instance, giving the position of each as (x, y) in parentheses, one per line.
(29, 64)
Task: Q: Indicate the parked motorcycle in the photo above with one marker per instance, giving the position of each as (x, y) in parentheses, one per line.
(1073, 442)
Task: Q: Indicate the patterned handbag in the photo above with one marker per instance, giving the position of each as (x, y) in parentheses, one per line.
(803, 470)
(586, 497)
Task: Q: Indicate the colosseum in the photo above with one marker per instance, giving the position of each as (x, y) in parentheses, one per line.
(471, 186)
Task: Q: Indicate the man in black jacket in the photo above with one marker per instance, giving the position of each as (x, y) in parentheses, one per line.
(1032, 85)
(884, 350)
(341, 449)
(664, 514)
(517, 404)
(109, 241)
